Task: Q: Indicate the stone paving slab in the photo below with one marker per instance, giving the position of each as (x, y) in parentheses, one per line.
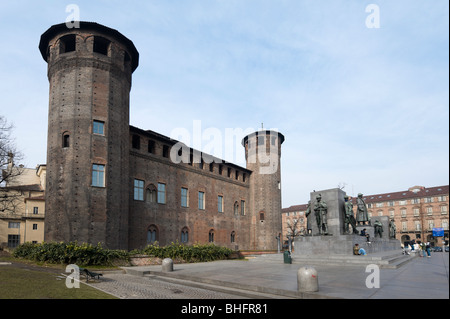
(420, 278)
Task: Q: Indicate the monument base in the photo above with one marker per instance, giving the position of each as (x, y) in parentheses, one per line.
(342, 244)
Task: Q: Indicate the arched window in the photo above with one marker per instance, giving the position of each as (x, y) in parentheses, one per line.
(236, 208)
(152, 234)
(211, 236)
(101, 45)
(65, 139)
(150, 194)
(185, 235)
(233, 236)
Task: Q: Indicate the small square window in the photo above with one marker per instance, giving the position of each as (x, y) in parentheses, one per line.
(99, 128)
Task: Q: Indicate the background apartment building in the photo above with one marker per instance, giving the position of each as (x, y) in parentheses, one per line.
(415, 211)
(22, 208)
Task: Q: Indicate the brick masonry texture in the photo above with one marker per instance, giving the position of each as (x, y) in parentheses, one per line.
(89, 72)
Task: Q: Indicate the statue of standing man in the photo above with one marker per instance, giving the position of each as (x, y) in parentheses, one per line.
(361, 211)
(392, 229)
(378, 228)
(349, 219)
(321, 210)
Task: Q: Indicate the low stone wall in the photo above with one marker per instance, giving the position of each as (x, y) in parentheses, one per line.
(144, 260)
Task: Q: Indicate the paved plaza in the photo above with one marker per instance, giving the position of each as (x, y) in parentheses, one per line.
(420, 278)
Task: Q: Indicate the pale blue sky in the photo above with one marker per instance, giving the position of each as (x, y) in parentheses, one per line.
(363, 107)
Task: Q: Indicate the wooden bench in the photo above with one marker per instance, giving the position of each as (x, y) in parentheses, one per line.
(90, 274)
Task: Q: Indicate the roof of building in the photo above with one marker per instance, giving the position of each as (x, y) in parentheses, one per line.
(172, 142)
(84, 25)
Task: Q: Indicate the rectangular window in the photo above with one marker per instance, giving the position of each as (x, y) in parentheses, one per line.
(184, 197)
(34, 226)
(101, 45)
(98, 127)
(444, 210)
(136, 142)
(151, 146)
(98, 175)
(404, 226)
(201, 200)
(417, 225)
(67, 43)
(242, 207)
(13, 225)
(161, 193)
(13, 241)
(138, 190)
(35, 210)
(403, 212)
(430, 210)
(416, 212)
(220, 203)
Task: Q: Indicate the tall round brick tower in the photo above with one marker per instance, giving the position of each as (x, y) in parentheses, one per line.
(262, 155)
(89, 71)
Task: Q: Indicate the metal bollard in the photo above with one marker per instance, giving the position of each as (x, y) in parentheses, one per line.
(167, 265)
(307, 279)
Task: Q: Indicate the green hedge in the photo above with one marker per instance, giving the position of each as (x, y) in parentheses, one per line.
(69, 253)
(194, 253)
(87, 254)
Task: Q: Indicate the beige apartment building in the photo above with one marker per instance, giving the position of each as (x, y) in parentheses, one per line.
(22, 214)
(415, 212)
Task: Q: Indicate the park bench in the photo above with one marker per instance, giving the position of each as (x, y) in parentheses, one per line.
(90, 274)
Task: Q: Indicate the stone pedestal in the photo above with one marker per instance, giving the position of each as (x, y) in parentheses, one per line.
(334, 198)
(339, 243)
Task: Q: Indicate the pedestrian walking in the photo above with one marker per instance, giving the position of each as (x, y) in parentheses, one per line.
(428, 249)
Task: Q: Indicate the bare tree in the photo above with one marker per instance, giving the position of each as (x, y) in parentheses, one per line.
(293, 228)
(9, 194)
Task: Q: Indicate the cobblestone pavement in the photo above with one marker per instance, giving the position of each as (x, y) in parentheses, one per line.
(150, 287)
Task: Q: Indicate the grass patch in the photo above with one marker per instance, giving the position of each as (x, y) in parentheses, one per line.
(18, 283)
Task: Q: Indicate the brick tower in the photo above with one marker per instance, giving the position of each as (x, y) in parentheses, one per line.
(262, 155)
(89, 71)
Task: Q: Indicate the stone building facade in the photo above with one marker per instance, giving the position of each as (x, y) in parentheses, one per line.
(22, 208)
(415, 211)
(126, 187)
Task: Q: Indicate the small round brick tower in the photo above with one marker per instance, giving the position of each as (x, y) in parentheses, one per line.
(89, 71)
(262, 155)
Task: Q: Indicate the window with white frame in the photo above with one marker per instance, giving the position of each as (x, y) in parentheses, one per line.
(98, 175)
(403, 212)
(201, 200)
(161, 193)
(138, 190)
(184, 197)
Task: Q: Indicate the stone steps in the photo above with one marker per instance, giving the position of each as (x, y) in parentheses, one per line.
(391, 259)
